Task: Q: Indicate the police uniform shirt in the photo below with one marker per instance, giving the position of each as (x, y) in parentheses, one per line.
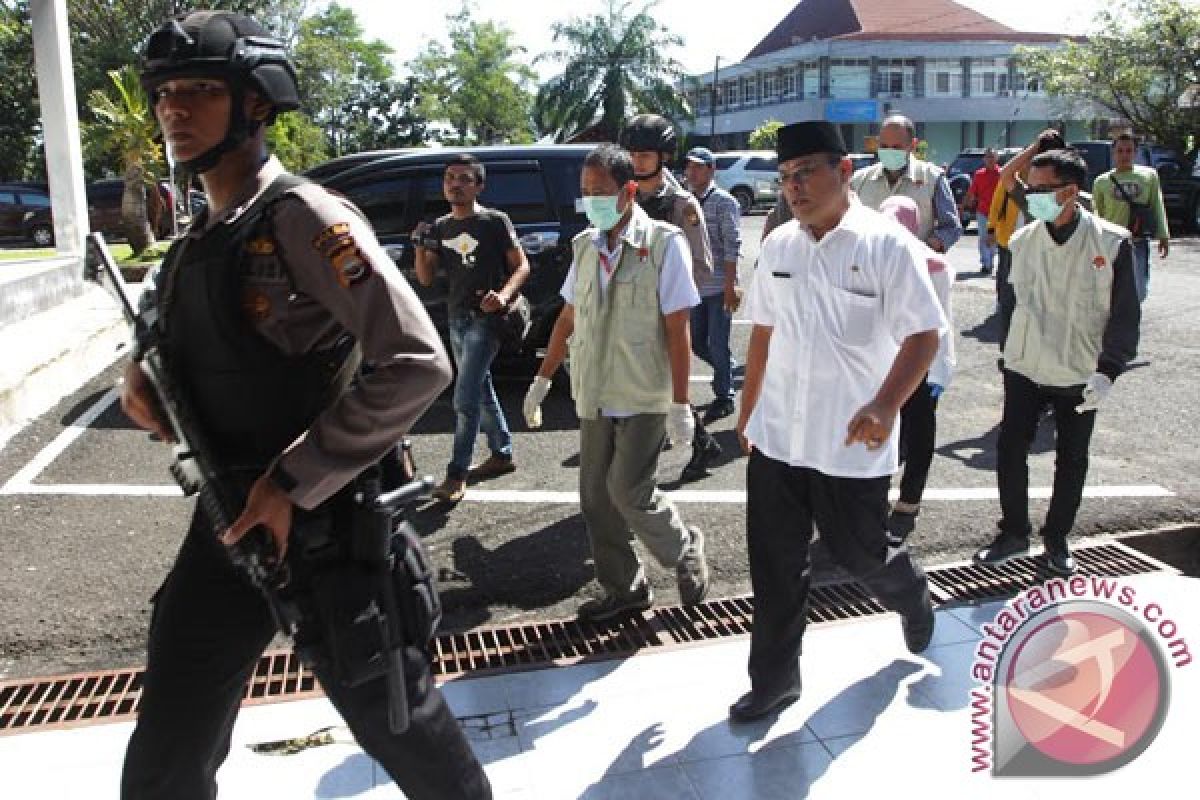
(839, 308)
(337, 279)
(687, 215)
(474, 254)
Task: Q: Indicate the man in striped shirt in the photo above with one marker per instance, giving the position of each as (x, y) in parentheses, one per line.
(719, 296)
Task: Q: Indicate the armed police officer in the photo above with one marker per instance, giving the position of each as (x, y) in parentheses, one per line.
(264, 309)
(651, 142)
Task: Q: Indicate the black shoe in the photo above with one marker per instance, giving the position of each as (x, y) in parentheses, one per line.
(704, 449)
(756, 705)
(918, 627)
(1002, 548)
(719, 409)
(1058, 558)
(901, 523)
(611, 606)
(986, 269)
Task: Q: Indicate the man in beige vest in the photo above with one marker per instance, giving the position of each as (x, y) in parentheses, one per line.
(629, 295)
(1073, 330)
(900, 172)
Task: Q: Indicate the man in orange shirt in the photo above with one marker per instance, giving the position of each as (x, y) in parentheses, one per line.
(979, 196)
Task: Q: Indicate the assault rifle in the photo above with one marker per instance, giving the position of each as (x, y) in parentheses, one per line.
(193, 467)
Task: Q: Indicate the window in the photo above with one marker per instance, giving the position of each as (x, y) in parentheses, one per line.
(725, 162)
(431, 200)
(563, 176)
(750, 90)
(384, 202)
(849, 78)
(789, 82)
(811, 78)
(518, 192)
(989, 77)
(759, 164)
(38, 200)
(770, 86)
(896, 77)
(732, 94)
(943, 78)
(9, 198)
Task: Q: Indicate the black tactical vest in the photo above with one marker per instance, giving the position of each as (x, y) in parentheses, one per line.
(249, 398)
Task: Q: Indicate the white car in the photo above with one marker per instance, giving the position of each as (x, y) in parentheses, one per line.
(751, 176)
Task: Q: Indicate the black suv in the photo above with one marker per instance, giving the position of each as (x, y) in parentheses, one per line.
(104, 212)
(962, 169)
(536, 185)
(19, 207)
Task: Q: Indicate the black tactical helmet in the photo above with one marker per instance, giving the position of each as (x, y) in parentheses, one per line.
(230, 47)
(649, 132)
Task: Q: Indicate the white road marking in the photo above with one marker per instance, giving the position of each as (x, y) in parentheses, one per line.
(544, 497)
(30, 471)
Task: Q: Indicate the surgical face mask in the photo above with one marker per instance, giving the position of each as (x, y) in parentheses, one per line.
(602, 211)
(893, 158)
(1043, 206)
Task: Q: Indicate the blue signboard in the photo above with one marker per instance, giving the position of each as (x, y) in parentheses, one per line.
(852, 110)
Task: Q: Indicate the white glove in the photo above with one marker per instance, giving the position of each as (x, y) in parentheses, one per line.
(681, 425)
(1094, 391)
(533, 401)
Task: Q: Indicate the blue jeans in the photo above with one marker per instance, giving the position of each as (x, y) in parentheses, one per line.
(986, 254)
(710, 342)
(474, 342)
(1141, 267)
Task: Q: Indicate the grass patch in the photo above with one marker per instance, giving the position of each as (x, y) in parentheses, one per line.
(120, 251)
(25, 255)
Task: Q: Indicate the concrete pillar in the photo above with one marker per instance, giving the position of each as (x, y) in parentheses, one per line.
(823, 72)
(966, 77)
(919, 77)
(60, 123)
(873, 86)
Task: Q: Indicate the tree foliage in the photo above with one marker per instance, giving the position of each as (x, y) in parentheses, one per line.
(347, 86)
(20, 118)
(1138, 64)
(616, 63)
(478, 85)
(125, 128)
(297, 141)
(765, 136)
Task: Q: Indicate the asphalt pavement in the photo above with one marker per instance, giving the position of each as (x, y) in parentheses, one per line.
(90, 522)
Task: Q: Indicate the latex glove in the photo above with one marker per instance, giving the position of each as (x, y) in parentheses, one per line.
(681, 425)
(533, 401)
(1094, 391)
(935, 390)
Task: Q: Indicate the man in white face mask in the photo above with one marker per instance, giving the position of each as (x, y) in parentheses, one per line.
(1073, 330)
(900, 172)
(629, 295)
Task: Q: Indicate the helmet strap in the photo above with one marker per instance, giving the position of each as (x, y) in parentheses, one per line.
(657, 170)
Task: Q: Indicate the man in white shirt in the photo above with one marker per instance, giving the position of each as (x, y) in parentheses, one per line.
(629, 295)
(846, 324)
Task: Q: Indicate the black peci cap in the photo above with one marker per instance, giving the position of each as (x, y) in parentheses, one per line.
(806, 138)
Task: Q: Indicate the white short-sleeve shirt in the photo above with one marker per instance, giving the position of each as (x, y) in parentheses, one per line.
(839, 308)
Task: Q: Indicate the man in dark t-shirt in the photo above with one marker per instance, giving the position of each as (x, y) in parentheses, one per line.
(485, 267)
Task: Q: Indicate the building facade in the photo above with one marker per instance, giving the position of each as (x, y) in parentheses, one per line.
(853, 62)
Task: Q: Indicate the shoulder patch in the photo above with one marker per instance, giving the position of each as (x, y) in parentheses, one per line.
(323, 242)
(349, 264)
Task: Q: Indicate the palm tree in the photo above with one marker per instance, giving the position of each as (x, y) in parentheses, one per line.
(125, 127)
(616, 64)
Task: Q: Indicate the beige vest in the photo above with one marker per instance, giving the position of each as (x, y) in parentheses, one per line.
(918, 182)
(619, 346)
(1063, 294)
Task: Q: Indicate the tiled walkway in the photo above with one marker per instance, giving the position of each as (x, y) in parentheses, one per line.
(873, 721)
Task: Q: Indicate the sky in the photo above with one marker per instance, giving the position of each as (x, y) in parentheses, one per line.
(710, 28)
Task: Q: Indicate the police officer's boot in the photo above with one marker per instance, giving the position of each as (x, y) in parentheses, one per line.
(704, 449)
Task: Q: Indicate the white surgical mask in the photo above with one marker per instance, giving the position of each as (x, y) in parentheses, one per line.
(1043, 206)
(893, 158)
(602, 211)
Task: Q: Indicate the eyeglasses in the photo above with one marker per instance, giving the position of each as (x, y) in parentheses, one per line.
(459, 178)
(191, 92)
(1045, 189)
(806, 173)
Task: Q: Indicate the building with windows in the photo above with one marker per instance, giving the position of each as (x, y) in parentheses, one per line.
(951, 69)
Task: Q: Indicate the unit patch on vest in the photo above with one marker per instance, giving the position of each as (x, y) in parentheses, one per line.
(256, 305)
(260, 247)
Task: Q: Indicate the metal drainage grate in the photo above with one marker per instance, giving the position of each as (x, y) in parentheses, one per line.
(108, 696)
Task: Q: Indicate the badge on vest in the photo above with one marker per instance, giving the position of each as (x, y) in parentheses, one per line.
(256, 305)
(1098, 262)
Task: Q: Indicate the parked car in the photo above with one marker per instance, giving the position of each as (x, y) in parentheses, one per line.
(104, 212)
(751, 176)
(536, 185)
(1180, 186)
(19, 204)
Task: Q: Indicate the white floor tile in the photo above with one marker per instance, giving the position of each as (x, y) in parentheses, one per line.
(783, 772)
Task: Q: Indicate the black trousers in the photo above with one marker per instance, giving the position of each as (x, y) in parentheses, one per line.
(918, 433)
(207, 631)
(783, 503)
(1023, 404)
(1005, 297)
